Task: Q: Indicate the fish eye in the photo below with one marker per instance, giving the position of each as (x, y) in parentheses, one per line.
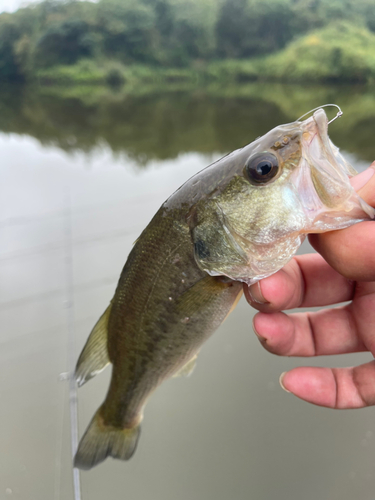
(261, 168)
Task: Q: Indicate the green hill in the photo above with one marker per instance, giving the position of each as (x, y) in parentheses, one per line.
(341, 52)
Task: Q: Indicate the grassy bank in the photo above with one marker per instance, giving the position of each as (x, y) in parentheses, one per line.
(115, 74)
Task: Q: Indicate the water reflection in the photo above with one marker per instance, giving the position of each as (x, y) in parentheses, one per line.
(161, 125)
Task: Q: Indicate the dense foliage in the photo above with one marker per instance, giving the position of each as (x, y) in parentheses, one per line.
(116, 34)
(342, 52)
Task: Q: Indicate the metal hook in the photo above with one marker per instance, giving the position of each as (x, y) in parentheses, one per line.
(339, 112)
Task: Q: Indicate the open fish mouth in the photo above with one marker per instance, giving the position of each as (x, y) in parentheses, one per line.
(323, 181)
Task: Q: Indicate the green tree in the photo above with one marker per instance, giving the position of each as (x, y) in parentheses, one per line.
(246, 28)
(128, 31)
(165, 33)
(65, 43)
(9, 34)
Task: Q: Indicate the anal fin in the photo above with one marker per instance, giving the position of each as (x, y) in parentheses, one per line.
(94, 356)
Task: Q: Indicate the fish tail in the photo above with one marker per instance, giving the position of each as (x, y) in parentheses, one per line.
(101, 441)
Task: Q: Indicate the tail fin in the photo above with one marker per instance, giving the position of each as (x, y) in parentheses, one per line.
(101, 441)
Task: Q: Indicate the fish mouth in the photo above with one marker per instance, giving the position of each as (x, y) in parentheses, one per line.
(323, 181)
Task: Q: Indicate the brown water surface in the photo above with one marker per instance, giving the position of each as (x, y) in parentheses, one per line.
(80, 179)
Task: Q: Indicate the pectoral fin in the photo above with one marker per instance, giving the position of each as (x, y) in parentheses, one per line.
(187, 369)
(94, 356)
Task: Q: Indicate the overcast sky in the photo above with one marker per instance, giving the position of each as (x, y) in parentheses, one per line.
(12, 5)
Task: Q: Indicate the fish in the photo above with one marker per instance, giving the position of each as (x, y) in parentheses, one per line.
(236, 222)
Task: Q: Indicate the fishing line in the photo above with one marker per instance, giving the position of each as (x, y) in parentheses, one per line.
(59, 443)
(73, 406)
(338, 115)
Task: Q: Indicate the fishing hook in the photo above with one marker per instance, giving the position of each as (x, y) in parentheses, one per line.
(339, 112)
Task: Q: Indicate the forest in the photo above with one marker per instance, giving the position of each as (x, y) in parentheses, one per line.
(118, 41)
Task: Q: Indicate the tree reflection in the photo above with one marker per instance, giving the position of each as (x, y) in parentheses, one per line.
(159, 125)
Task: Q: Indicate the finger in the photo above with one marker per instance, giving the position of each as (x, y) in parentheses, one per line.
(364, 184)
(362, 312)
(350, 251)
(338, 388)
(326, 332)
(306, 281)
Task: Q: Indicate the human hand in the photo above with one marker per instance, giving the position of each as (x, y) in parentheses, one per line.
(344, 270)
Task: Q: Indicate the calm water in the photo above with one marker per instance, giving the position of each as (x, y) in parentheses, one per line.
(81, 177)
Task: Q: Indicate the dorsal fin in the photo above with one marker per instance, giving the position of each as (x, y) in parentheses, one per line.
(94, 356)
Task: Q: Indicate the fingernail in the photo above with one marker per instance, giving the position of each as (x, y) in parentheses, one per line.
(262, 339)
(281, 378)
(256, 295)
(360, 180)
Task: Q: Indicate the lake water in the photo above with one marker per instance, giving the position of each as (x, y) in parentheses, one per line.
(82, 173)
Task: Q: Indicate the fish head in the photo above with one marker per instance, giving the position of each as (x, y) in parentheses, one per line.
(269, 195)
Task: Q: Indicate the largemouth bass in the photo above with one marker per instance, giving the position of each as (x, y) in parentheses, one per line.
(239, 220)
